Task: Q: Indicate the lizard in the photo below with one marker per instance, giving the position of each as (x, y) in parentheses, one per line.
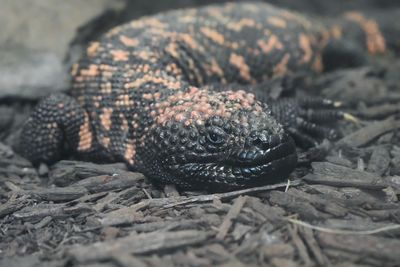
(171, 94)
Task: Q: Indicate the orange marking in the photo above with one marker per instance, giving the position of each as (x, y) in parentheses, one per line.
(157, 96)
(85, 135)
(213, 35)
(105, 141)
(281, 68)
(277, 22)
(145, 68)
(191, 42)
(106, 67)
(105, 118)
(157, 80)
(128, 41)
(74, 69)
(215, 68)
(106, 88)
(194, 106)
(215, 12)
(239, 62)
(92, 49)
(318, 65)
(174, 69)
(238, 26)
(147, 21)
(135, 125)
(81, 100)
(336, 32)
(124, 125)
(124, 100)
(52, 125)
(375, 41)
(186, 19)
(172, 49)
(119, 55)
(130, 152)
(305, 45)
(154, 23)
(272, 43)
(114, 31)
(147, 96)
(93, 70)
(180, 117)
(194, 114)
(142, 54)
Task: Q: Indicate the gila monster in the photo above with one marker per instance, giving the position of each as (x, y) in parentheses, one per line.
(170, 94)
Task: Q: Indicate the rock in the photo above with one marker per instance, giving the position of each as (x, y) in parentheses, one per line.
(48, 25)
(353, 85)
(34, 41)
(31, 74)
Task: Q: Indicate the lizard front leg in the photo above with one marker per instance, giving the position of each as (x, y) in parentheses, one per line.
(57, 125)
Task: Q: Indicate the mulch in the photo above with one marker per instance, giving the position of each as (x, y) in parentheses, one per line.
(340, 208)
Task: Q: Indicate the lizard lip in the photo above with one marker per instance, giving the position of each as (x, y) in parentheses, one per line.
(276, 161)
(281, 147)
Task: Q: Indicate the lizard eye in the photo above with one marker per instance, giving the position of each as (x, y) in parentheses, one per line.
(216, 136)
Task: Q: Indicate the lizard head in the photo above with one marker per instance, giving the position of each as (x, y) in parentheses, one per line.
(217, 141)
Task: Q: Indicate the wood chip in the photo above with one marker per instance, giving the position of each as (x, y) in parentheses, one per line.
(137, 244)
(370, 132)
(233, 213)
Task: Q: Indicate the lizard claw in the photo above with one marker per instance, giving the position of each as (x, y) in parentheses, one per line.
(309, 120)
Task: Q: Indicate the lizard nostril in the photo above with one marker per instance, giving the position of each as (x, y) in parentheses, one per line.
(261, 139)
(264, 136)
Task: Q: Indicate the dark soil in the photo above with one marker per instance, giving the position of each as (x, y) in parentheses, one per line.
(341, 207)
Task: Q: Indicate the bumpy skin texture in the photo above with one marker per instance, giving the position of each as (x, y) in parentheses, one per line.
(144, 94)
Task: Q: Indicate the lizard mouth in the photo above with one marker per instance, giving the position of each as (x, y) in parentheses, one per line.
(241, 168)
(247, 158)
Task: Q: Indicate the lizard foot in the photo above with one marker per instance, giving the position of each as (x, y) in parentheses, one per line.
(309, 120)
